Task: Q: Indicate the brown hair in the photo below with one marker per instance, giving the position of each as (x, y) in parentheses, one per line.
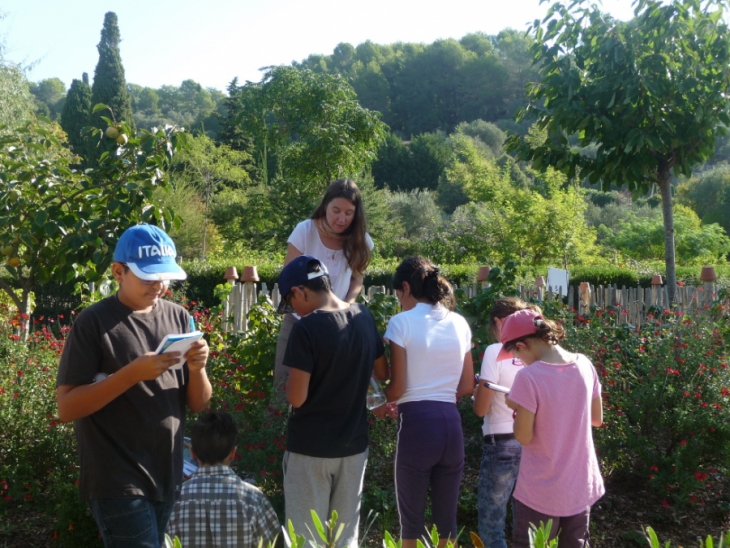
(354, 244)
(425, 281)
(505, 306)
(548, 330)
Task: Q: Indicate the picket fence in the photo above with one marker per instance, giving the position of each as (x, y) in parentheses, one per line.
(632, 305)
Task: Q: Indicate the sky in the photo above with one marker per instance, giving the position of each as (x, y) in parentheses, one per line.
(167, 41)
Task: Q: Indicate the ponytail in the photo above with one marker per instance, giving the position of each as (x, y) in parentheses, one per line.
(425, 280)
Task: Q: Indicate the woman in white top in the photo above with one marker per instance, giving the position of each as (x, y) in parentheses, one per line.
(431, 368)
(501, 457)
(336, 234)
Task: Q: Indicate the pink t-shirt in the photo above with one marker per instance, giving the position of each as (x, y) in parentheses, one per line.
(559, 472)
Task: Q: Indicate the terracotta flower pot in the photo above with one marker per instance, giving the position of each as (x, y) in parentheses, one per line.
(656, 279)
(483, 273)
(708, 274)
(540, 281)
(231, 273)
(250, 274)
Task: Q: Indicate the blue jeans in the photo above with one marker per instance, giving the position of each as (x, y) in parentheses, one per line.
(497, 477)
(131, 522)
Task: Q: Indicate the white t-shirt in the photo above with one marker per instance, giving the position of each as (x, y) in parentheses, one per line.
(435, 340)
(499, 419)
(305, 237)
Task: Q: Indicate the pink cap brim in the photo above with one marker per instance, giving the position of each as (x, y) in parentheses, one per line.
(504, 355)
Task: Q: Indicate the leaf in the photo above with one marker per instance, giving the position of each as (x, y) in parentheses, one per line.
(318, 526)
(98, 107)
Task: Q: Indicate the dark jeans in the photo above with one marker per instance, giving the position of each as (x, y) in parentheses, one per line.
(572, 531)
(131, 522)
(497, 476)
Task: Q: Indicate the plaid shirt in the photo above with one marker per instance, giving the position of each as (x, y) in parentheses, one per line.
(218, 509)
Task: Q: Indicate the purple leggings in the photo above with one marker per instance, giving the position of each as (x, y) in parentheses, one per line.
(430, 452)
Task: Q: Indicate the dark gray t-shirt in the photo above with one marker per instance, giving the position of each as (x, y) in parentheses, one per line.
(133, 445)
(338, 349)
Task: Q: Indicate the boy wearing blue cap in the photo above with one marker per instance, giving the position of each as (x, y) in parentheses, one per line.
(128, 404)
(332, 353)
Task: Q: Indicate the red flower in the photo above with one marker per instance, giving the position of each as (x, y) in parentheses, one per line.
(700, 476)
(665, 504)
(683, 442)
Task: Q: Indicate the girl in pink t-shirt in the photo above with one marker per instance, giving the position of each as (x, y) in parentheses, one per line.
(557, 398)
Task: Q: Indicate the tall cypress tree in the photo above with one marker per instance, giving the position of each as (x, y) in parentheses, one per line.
(110, 87)
(75, 114)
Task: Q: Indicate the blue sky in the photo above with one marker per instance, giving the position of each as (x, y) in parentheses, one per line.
(213, 41)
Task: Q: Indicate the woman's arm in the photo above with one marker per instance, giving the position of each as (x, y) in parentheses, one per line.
(466, 382)
(597, 411)
(354, 289)
(397, 386)
(524, 425)
(291, 254)
(482, 399)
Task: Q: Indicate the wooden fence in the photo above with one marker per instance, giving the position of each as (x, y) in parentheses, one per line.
(632, 305)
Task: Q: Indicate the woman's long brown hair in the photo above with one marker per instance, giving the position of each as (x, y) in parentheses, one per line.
(354, 246)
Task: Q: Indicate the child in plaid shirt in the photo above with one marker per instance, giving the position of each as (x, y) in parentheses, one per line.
(216, 508)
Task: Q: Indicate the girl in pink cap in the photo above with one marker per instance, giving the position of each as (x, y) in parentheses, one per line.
(557, 398)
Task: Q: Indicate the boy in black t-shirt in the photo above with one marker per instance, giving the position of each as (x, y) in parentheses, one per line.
(332, 353)
(128, 404)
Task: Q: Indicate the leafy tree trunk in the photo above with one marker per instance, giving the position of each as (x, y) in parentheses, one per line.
(665, 185)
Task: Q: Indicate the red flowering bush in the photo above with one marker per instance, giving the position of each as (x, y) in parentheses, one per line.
(666, 394)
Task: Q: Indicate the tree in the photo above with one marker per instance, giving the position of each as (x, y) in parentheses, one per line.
(709, 195)
(60, 225)
(651, 93)
(75, 115)
(110, 86)
(16, 102)
(313, 122)
(50, 92)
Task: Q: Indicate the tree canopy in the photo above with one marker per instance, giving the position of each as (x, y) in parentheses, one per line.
(649, 93)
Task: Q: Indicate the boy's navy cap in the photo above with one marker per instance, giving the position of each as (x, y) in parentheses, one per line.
(297, 272)
(149, 253)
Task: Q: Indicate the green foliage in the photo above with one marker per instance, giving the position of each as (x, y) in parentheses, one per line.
(501, 283)
(708, 194)
(51, 95)
(16, 102)
(50, 211)
(312, 122)
(665, 390)
(632, 89)
(110, 86)
(653, 539)
(696, 243)
(75, 115)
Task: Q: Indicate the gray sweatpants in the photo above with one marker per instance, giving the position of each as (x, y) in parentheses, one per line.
(323, 485)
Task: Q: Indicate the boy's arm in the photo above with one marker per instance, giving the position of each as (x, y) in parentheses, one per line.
(79, 401)
(297, 387)
(381, 371)
(199, 390)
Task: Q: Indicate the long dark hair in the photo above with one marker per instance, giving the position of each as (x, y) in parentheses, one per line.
(425, 280)
(354, 245)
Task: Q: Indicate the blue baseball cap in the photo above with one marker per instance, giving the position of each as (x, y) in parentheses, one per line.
(149, 253)
(299, 271)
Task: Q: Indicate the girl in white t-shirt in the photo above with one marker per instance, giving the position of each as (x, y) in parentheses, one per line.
(336, 234)
(431, 368)
(501, 456)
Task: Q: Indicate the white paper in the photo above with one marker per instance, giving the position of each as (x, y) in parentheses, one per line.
(557, 280)
(180, 342)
